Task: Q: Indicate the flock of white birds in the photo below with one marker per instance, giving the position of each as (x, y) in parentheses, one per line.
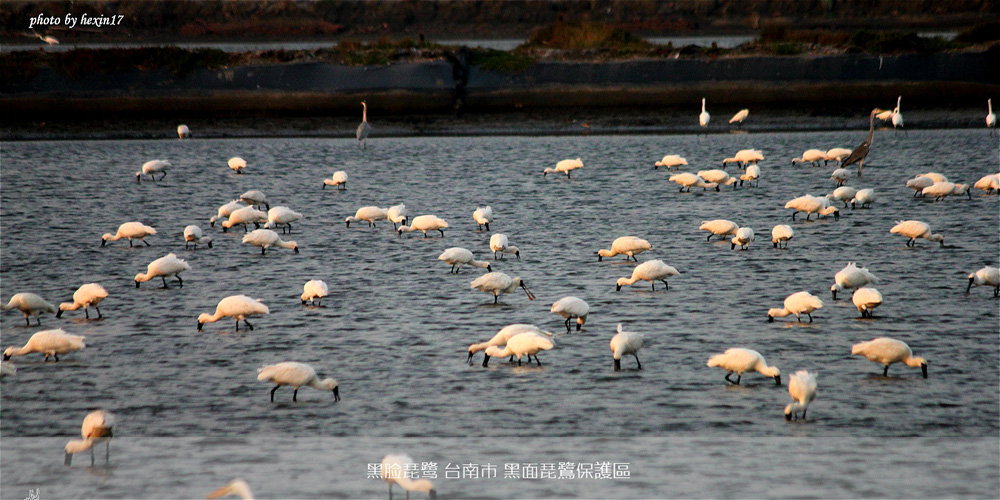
(517, 340)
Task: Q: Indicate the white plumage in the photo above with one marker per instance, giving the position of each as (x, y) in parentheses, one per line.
(193, 235)
(798, 303)
(813, 156)
(851, 276)
(887, 351)
(811, 205)
(719, 227)
(237, 164)
(564, 167)
(296, 375)
(991, 117)
(48, 342)
(152, 167)
(743, 237)
(897, 115)
(704, 118)
(183, 132)
(500, 244)
(940, 190)
(745, 157)
(689, 180)
(918, 183)
(717, 177)
(864, 196)
(651, 271)
(843, 193)
(255, 198)
(265, 238)
(396, 469)
(497, 283)
(670, 161)
(371, 215)
(625, 343)
(989, 183)
(314, 291)
(244, 216)
(837, 154)
(397, 214)
(740, 116)
(98, 426)
(168, 265)
(238, 307)
(339, 180)
(424, 223)
(569, 308)
(526, 343)
(87, 295)
(934, 176)
(483, 216)
(739, 360)
(236, 487)
(30, 305)
(225, 210)
(781, 233)
(282, 216)
(802, 388)
(130, 230)
(841, 175)
(914, 229)
(630, 246)
(987, 276)
(866, 299)
(502, 337)
(458, 257)
(751, 174)
(364, 129)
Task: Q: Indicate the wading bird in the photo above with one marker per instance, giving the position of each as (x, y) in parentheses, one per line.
(168, 265)
(497, 283)
(152, 167)
(798, 303)
(51, 343)
(569, 308)
(296, 375)
(802, 388)
(87, 295)
(98, 426)
(30, 305)
(630, 246)
(625, 343)
(887, 351)
(739, 360)
(364, 128)
(861, 152)
(130, 230)
(651, 271)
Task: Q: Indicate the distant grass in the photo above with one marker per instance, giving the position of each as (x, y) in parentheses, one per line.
(783, 40)
(586, 35)
(987, 32)
(501, 61)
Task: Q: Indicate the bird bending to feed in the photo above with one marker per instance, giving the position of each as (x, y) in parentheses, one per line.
(497, 283)
(314, 291)
(265, 238)
(238, 307)
(339, 180)
(625, 343)
(458, 257)
(813, 156)
(30, 305)
(523, 344)
(48, 342)
(743, 237)
(98, 426)
(226, 210)
(371, 215)
(244, 216)
(897, 115)
(183, 132)
(130, 230)
(887, 351)
(564, 167)
(296, 375)
(689, 180)
(935, 176)
(751, 174)
(719, 177)
(989, 183)
(781, 232)
(168, 265)
(739, 360)
(991, 117)
(704, 118)
(483, 216)
(798, 303)
(866, 300)
(397, 215)
(670, 161)
(237, 487)
(914, 229)
(940, 190)
(87, 295)
(255, 198)
(569, 308)
(500, 244)
(364, 128)
(836, 154)
(843, 194)
(238, 164)
(396, 470)
(282, 216)
(502, 337)
(424, 223)
(651, 271)
(851, 276)
(152, 167)
(861, 152)
(739, 117)
(630, 246)
(918, 183)
(865, 197)
(194, 236)
(802, 388)
(811, 205)
(719, 227)
(840, 175)
(987, 276)
(745, 157)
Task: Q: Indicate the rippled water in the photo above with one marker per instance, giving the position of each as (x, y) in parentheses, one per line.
(395, 330)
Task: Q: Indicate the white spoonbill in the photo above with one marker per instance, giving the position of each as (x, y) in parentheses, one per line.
(98, 426)
(798, 303)
(625, 343)
(194, 236)
(689, 180)
(991, 117)
(837, 155)
(813, 156)
(48, 342)
(130, 230)
(670, 161)
(265, 238)
(502, 337)
(424, 223)
(483, 216)
(935, 176)
(564, 167)
(282, 216)
(168, 265)
(651, 271)
(719, 227)
(87, 295)
(371, 215)
(237, 487)
(745, 157)
(739, 360)
(914, 229)
(226, 210)
(719, 177)
(255, 198)
(523, 344)
(237, 164)
(897, 115)
(987, 276)
(811, 205)
(152, 167)
(458, 257)
(851, 276)
(183, 132)
(841, 175)
(569, 308)
(314, 291)
(751, 174)
(630, 246)
(238, 307)
(739, 117)
(743, 237)
(865, 197)
(918, 183)
(244, 216)
(866, 300)
(781, 232)
(339, 181)
(883, 114)
(30, 305)
(842, 193)
(989, 183)
(941, 190)
(395, 470)
(397, 215)
(802, 388)
(887, 351)
(364, 128)
(497, 283)
(704, 118)
(296, 375)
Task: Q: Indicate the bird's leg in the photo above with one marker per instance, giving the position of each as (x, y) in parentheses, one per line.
(99, 316)
(262, 250)
(180, 282)
(730, 380)
(667, 285)
(91, 456)
(709, 237)
(567, 324)
(107, 451)
(164, 278)
(495, 298)
(537, 361)
(86, 314)
(807, 216)
(885, 372)
(245, 322)
(295, 396)
(147, 243)
(130, 242)
(452, 268)
(46, 357)
(425, 234)
(810, 317)
(164, 174)
(637, 361)
(442, 233)
(793, 214)
(578, 325)
(804, 410)
(272, 392)
(652, 284)
(487, 226)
